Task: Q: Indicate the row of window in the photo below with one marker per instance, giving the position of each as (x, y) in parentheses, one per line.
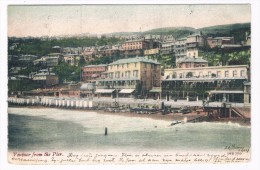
(121, 66)
(133, 43)
(126, 74)
(234, 73)
(133, 47)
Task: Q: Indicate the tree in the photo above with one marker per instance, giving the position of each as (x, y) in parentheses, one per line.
(82, 61)
(67, 72)
(189, 74)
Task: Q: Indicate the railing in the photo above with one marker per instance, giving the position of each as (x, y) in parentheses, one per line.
(117, 87)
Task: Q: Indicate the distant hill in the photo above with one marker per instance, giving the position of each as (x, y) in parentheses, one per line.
(237, 30)
(225, 29)
(177, 32)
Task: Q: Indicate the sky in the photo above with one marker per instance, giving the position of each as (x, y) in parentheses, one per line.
(56, 20)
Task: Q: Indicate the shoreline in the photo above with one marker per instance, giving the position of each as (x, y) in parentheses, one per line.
(191, 117)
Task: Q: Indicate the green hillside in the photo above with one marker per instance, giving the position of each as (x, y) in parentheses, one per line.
(177, 32)
(237, 30)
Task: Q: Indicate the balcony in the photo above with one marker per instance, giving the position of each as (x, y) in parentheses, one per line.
(192, 45)
(116, 87)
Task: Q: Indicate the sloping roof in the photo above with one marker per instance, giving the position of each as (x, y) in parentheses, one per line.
(45, 74)
(231, 46)
(87, 86)
(192, 60)
(195, 34)
(100, 65)
(104, 90)
(227, 91)
(134, 60)
(128, 91)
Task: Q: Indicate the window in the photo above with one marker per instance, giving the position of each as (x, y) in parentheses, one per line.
(242, 73)
(235, 73)
(209, 73)
(117, 74)
(226, 73)
(144, 73)
(135, 64)
(218, 74)
(135, 73)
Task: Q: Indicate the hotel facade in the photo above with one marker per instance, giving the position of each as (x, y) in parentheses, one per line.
(216, 83)
(132, 76)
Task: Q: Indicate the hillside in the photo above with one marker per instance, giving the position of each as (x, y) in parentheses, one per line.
(237, 30)
(177, 32)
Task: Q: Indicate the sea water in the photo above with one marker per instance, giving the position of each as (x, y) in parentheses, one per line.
(56, 129)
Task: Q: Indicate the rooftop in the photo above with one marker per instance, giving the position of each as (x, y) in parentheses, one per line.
(195, 34)
(134, 60)
(209, 67)
(45, 74)
(192, 60)
(205, 79)
(231, 46)
(99, 65)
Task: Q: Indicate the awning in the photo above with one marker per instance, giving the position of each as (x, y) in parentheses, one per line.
(227, 92)
(156, 90)
(94, 75)
(127, 91)
(104, 90)
(87, 86)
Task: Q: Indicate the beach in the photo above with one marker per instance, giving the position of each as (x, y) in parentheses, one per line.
(52, 128)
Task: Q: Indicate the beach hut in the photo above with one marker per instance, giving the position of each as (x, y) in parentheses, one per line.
(56, 102)
(72, 103)
(80, 104)
(90, 104)
(77, 104)
(85, 104)
(63, 103)
(68, 103)
(27, 101)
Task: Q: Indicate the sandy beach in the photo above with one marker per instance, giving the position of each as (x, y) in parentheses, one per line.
(159, 116)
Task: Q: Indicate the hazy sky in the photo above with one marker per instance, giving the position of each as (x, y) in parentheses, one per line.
(98, 19)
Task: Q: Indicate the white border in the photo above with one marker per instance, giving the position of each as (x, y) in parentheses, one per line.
(253, 165)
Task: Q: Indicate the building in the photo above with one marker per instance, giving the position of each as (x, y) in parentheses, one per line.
(248, 39)
(140, 44)
(92, 72)
(219, 83)
(46, 79)
(52, 60)
(134, 76)
(27, 59)
(195, 40)
(151, 52)
(247, 93)
(217, 42)
(137, 47)
(167, 47)
(180, 50)
(188, 62)
(72, 59)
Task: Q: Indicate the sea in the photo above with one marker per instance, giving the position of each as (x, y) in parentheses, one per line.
(57, 129)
